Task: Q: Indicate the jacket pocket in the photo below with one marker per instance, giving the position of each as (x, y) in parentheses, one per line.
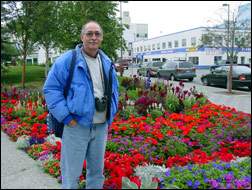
(77, 101)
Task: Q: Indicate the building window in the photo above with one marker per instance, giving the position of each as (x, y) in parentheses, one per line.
(158, 46)
(176, 44)
(242, 60)
(155, 59)
(145, 49)
(141, 48)
(183, 42)
(194, 60)
(218, 41)
(153, 47)
(193, 41)
(163, 45)
(35, 60)
(146, 35)
(217, 59)
(137, 49)
(149, 48)
(137, 35)
(169, 44)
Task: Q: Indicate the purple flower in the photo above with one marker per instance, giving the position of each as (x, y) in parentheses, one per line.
(3, 120)
(213, 183)
(228, 177)
(196, 184)
(167, 173)
(206, 180)
(229, 186)
(189, 183)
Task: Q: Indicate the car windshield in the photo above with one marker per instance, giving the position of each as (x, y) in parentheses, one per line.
(242, 69)
(145, 64)
(185, 65)
(158, 64)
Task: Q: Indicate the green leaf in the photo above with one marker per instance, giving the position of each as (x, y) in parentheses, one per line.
(127, 184)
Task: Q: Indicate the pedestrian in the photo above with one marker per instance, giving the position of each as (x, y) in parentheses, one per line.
(88, 109)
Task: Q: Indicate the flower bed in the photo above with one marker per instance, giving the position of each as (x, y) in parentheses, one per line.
(180, 131)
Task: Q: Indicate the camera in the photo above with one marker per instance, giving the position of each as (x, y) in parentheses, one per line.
(101, 104)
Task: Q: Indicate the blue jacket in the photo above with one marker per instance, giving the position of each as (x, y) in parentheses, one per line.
(80, 101)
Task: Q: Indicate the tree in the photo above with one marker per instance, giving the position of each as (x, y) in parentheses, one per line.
(73, 14)
(8, 48)
(235, 32)
(21, 28)
(45, 27)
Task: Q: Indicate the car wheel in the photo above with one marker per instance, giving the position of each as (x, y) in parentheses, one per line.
(190, 79)
(138, 73)
(172, 77)
(205, 81)
(148, 74)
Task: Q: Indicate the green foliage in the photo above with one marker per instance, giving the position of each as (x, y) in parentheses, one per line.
(73, 14)
(132, 94)
(212, 170)
(127, 111)
(156, 113)
(19, 113)
(176, 147)
(146, 183)
(34, 76)
(189, 102)
(112, 146)
(171, 103)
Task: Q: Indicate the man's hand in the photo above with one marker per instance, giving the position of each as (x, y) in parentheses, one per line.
(72, 123)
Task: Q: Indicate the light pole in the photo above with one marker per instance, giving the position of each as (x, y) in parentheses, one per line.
(121, 25)
(229, 59)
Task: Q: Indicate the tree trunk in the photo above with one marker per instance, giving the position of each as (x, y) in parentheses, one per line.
(23, 71)
(47, 61)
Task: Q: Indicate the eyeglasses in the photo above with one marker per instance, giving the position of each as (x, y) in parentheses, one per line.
(90, 34)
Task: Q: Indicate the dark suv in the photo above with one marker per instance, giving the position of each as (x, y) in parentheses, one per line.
(176, 70)
(124, 63)
(149, 68)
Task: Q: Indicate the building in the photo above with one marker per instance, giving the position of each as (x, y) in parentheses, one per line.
(39, 56)
(187, 44)
(133, 32)
(184, 45)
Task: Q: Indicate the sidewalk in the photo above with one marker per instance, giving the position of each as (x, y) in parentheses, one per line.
(19, 171)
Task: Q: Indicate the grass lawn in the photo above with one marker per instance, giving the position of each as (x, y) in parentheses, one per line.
(35, 76)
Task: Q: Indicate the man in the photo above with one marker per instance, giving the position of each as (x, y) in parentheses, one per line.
(88, 109)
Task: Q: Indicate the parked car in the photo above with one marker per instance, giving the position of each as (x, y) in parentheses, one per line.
(241, 76)
(177, 70)
(124, 63)
(149, 68)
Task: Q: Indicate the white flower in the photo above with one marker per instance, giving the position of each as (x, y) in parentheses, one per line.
(23, 142)
(150, 170)
(52, 139)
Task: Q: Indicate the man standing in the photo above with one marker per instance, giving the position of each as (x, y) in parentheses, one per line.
(88, 109)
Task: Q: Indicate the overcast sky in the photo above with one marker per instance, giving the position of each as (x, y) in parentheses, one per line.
(165, 17)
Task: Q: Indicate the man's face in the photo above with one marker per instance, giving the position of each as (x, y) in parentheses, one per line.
(92, 37)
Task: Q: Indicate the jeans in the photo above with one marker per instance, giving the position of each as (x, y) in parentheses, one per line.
(80, 143)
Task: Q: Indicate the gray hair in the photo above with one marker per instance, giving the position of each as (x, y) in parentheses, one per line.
(83, 30)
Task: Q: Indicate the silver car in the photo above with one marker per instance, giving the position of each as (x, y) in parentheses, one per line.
(177, 70)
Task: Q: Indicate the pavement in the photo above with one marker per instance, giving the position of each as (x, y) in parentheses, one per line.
(19, 171)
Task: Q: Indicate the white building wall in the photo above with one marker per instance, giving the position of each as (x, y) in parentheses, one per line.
(205, 56)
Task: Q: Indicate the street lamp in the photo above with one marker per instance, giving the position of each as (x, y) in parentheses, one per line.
(121, 24)
(230, 60)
